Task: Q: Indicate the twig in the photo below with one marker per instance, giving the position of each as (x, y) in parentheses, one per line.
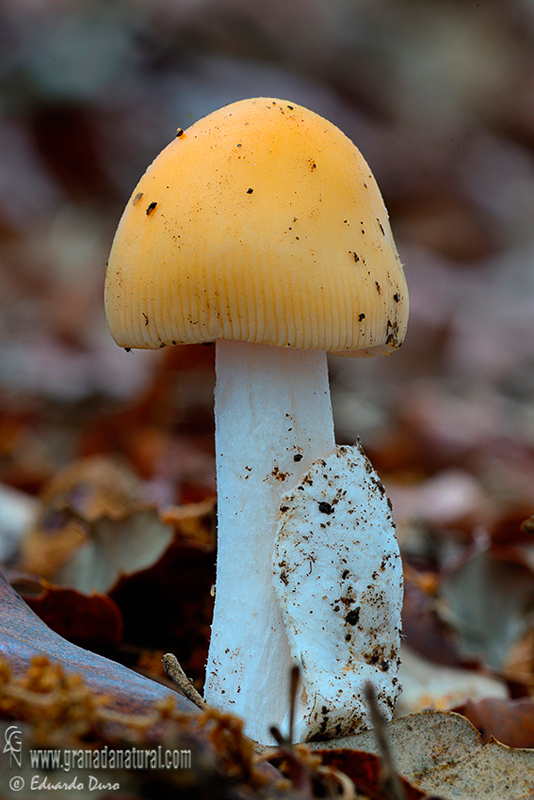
(346, 789)
(176, 673)
(283, 742)
(294, 681)
(390, 782)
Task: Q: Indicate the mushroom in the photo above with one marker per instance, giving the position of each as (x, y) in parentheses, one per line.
(261, 228)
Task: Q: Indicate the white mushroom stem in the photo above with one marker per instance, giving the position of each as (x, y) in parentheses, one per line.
(273, 418)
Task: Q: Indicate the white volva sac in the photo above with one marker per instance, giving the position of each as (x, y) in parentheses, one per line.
(338, 579)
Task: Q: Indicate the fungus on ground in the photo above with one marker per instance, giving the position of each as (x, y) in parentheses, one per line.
(262, 228)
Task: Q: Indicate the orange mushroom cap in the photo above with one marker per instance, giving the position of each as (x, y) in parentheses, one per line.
(261, 222)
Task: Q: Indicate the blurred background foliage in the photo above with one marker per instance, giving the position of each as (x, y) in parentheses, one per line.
(438, 95)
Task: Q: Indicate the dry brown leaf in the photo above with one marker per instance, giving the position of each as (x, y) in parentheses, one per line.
(115, 546)
(93, 486)
(170, 601)
(75, 498)
(486, 598)
(509, 721)
(519, 664)
(364, 770)
(423, 629)
(157, 568)
(23, 636)
(194, 521)
(442, 754)
(90, 620)
(24, 460)
(18, 512)
(427, 685)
